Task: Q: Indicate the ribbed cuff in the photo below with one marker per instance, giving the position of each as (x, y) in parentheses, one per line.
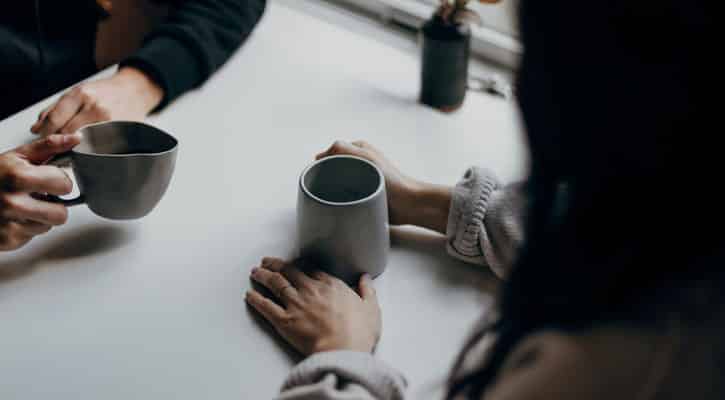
(469, 203)
(361, 368)
(170, 64)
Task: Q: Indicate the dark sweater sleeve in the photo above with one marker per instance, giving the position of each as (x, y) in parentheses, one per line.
(193, 42)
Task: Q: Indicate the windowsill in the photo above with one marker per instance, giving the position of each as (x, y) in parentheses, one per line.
(487, 43)
(369, 23)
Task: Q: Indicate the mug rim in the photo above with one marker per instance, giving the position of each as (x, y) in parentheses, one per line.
(309, 194)
(84, 127)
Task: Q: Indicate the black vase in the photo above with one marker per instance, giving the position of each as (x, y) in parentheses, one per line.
(444, 73)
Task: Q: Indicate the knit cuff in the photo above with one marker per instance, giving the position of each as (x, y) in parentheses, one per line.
(469, 204)
(350, 366)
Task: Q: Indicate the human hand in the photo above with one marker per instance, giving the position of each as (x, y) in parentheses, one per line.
(409, 201)
(400, 188)
(128, 95)
(23, 216)
(318, 312)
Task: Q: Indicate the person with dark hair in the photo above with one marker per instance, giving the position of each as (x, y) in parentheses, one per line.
(612, 251)
(165, 48)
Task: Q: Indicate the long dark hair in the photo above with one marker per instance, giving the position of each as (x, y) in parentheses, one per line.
(625, 209)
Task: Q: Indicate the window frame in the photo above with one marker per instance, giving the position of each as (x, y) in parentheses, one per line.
(486, 42)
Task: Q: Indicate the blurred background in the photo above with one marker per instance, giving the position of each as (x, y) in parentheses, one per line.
(495, 44)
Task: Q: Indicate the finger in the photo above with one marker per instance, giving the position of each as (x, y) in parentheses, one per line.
(40, 150)
(41, 179)
(339, 147)
(41, 117)
(276, 283)
(22, 207)
(62, 112)
(273, 264)
(366, 289)
(31, 228)
(322, 276)
(362, 144)
(270, 310)
(85, 116)
(11, 236)
(293, 274)
(298, 278)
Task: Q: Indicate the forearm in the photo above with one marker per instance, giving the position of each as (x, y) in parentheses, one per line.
(428, 206)
(194, 41)
(147, 93)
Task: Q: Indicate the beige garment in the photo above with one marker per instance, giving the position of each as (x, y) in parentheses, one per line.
(682, 362)
(123, 32)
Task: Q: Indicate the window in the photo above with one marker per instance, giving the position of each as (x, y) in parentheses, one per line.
(500, 17)
(496, 40)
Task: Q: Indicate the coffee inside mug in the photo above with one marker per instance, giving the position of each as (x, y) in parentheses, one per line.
(106, 139)
(342, 180)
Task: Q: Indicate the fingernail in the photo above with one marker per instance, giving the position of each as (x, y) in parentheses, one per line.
(254, 271)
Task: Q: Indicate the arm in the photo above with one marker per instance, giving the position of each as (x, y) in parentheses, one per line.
(319, 315)
(180, 54)
(600, 364)
(482, 219)
(194, 41)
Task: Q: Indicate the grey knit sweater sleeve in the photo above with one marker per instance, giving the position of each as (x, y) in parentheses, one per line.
(343, 375)
(485, 223)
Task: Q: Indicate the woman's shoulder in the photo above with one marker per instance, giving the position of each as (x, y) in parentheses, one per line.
(606, 363)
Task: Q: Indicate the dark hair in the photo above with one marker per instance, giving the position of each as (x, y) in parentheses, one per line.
(625, 209)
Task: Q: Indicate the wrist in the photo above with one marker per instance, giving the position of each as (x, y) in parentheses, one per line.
(429, 206)
(324, 345)
(142, 87)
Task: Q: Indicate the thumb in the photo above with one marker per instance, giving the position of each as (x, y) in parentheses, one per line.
(341, 147)
(40, 150)
(366, 289)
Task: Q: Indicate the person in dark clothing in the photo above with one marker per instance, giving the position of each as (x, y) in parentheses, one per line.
(173, 47)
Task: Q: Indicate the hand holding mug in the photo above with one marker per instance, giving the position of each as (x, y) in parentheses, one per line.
(400, 188)
(22, 215)
(128, 95)
(316, 312)
(410, 202)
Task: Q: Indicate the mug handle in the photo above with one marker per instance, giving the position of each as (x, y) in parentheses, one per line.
(61, 160)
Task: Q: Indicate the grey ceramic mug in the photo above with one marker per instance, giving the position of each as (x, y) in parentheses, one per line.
(342, 217)
(122, 168)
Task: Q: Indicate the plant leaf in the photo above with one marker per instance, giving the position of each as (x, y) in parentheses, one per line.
(461, 4)
(467, 16)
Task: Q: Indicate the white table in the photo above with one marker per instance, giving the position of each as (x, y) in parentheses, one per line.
(153, 309)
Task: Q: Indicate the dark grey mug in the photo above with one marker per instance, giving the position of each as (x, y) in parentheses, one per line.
(122, 168)
(342, 217)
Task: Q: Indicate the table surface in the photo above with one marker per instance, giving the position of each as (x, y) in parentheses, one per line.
(154, 308)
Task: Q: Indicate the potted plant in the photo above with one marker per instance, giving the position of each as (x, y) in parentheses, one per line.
(446, 43)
